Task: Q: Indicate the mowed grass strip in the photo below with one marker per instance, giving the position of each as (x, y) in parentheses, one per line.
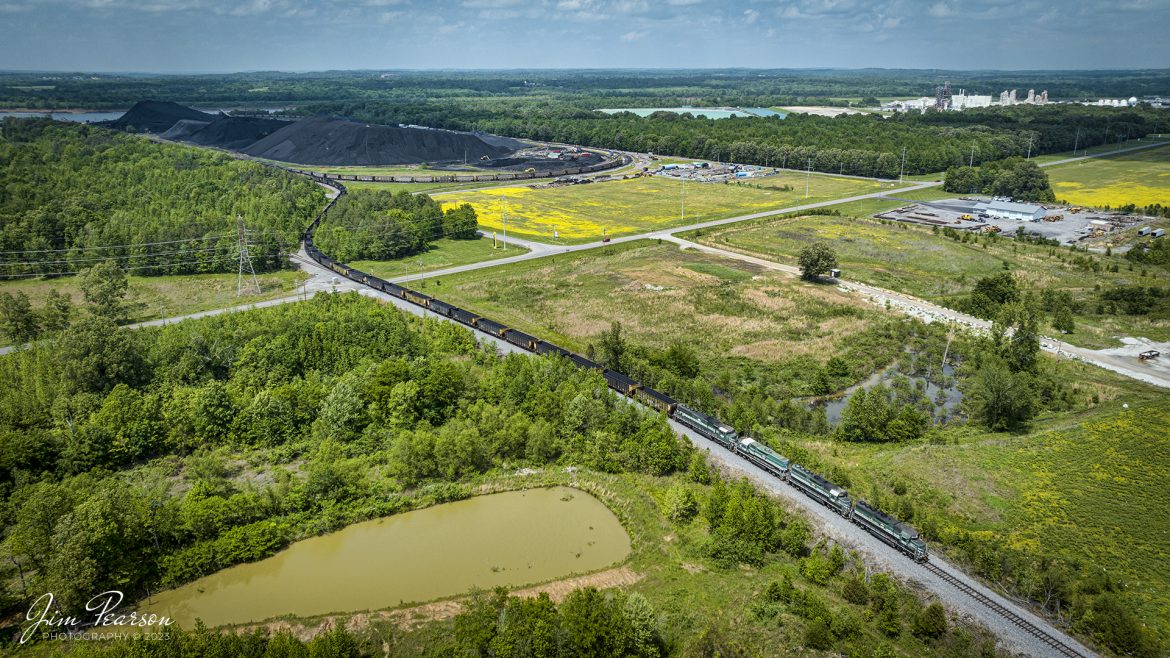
(917, 261)
(153, 297)
(580, 213)
(443, 253)
(1140, 177)
(663, 295)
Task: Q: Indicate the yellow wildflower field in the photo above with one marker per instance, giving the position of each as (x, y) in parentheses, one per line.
(580, 213)
(1141, 178)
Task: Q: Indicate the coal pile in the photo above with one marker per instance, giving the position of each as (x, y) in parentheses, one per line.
(157, 116)
(543, 165)
(184, 129)
(234, 133)
(328, 140)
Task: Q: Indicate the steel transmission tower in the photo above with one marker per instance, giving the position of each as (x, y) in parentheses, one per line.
(245, 262)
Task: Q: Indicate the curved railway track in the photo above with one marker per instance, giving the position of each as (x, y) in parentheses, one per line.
(625, 386)
(1027, 626)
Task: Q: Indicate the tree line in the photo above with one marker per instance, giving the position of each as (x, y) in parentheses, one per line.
(862, 144)
(384, 225)
(73, 195)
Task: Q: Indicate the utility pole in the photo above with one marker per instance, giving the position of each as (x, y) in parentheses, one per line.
(902, 169)
(1030, 138)
(1076, 142)
(808, 177)
(245, 260)
(972, 161)
(504, 216)
(682, 213)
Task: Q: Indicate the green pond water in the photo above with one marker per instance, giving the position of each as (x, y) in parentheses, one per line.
(508, 539)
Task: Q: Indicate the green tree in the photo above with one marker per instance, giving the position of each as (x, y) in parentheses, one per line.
(17, 319)
(612, 347)
(104, 287)
(991, 293)
(57, 312)
(1017, 332)
(816, 259)
(1062, 320)
(681, 504)
(1004, 400)
(95, 355)
(931, 621)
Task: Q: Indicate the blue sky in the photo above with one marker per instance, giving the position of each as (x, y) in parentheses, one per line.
(299, 35)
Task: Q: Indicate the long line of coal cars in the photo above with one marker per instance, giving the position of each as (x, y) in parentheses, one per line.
(889, 530)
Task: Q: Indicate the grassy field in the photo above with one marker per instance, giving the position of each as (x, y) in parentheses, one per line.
(1141, 178)
(152, 297)
(1086, 488)
(917, 261)
(579, 213)
(444, 253)
(738, 317)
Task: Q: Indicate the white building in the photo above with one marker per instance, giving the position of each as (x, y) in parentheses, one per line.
(962, 101)
(1024, 212)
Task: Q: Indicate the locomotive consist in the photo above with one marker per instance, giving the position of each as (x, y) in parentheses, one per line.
(890, 531)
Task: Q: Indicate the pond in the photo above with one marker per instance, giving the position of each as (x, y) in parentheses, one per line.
(507, 539)
(80, 117)
(946, 399)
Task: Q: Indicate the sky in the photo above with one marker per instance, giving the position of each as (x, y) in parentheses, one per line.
(187, 36)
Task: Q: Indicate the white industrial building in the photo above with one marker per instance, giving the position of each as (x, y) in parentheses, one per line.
(962, 101)
(1024, 212)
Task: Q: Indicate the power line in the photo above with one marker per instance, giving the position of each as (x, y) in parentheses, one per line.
(115, 246)
(140, 267)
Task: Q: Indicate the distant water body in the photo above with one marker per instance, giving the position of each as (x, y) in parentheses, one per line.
(707, 112)
(80, 117)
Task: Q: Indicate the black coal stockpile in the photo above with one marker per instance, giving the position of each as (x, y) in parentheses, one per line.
(543, 165)
(184, 129)
(157, 116)
(234, 132)
(335, 141)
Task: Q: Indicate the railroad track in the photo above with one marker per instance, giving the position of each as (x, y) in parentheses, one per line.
(1024, 624)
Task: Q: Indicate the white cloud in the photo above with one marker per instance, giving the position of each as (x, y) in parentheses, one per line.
(750, 16)
(632, 36)
(941, 10)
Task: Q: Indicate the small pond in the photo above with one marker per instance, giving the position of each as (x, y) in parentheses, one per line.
(507, 539)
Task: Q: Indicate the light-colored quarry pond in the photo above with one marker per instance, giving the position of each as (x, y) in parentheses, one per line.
(512, 538)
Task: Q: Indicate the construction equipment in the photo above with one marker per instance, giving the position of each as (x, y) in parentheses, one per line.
(1073, 211)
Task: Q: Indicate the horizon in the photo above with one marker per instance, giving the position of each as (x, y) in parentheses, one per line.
(207, 37)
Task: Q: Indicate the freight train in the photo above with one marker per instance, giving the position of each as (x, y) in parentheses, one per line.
(887, 529)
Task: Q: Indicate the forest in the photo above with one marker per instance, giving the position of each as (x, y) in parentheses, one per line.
(73, 195)
(860, 144)
(384, 225)
(1014, 178)
(743, 87)
(93, 418)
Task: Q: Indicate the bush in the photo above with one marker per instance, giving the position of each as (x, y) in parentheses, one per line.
(681, 504)
(817, 635)
(931, 621)
(855, 591)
